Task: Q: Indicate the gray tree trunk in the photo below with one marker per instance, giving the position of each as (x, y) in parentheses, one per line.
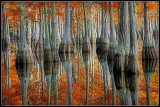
(148, 51)
(86, 40)
(71, 24)
(121, 47)
(66, 44)
(47, 47)
(133, 35)
(24, 54)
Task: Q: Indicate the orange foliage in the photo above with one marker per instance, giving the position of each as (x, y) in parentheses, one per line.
(115, 4)
(75, 4)
(105, 5)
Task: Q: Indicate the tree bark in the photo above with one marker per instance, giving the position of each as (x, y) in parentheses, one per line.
(133, 35)
(123, 29)
(66, 44)
(47, 47)
(86, 40)
(148, 51)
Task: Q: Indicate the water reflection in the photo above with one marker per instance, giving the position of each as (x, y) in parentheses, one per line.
(122, 75)
(111, 64)
(105, 69)
(87, 60)
(120, 81)
(148, 69)
(54, 77)
(67, 61)
(24, 72)
(6, 53)
(133, 78)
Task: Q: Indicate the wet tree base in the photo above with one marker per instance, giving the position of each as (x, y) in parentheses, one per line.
(86, 47)
(149, 53)
(102, 47)
(80, 41)
(5, 44)
(66, 56)
(25, 56)
(48, 68)
(118, 70)
(111, 53)
(55, 55)
(66, 48)
(73, 41)
(86, 56)
(132, 65)
(24, 70)
(47, 56)
(102, 56)
(93, 40)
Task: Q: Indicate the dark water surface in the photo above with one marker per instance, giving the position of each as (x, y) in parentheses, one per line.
(80, 79)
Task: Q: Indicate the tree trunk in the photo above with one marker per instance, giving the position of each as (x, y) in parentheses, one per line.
(148, 51)
(86, 40)
(24, 54)
(148, 69)
(103, 43)
(71, 24)
(133, 35)
(66, 44)
(47, 47)
(123, 29)
(112, 45)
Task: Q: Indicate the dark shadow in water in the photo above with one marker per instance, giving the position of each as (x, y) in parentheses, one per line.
(133, 78)
(67, 61)
(80, 60)
(74, 71)
(106, 73)
(51, 71)
(111, 64)
(148, 69)
(93, 54)
(6, 53)
(54, 77)
(48, 74)
(120, 81)
(87, 61)
(24, 72)
(39, 53)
